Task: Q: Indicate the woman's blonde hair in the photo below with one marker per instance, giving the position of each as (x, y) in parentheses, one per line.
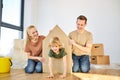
(28, 37)
(55, 41)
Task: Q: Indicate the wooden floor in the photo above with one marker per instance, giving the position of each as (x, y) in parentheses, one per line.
(100, 74)
(94, 74)
(19, 74)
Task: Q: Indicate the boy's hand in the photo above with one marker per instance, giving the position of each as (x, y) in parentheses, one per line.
(51, 76)
(63, 76)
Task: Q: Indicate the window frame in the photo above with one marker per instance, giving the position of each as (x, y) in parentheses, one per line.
(11, 26)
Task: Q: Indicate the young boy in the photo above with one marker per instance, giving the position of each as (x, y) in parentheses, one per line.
(57, 51)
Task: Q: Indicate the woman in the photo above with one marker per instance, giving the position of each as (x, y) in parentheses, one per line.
(33, 49)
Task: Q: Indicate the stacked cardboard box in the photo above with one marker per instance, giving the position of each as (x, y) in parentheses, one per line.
(97, 55)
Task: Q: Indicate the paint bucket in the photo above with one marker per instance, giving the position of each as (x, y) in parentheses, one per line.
(5, 64)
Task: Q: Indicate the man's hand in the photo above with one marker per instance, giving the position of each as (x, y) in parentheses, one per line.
(72, 42)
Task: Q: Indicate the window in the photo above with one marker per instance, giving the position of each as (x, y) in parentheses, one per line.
(11, 23)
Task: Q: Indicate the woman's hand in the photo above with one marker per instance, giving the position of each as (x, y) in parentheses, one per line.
(41, 59)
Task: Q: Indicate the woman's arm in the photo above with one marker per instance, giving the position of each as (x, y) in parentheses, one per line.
(41, 59)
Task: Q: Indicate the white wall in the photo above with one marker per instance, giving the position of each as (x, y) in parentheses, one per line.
(103, 19)
(31, 13)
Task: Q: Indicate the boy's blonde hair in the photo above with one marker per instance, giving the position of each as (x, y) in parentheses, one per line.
(55, 41)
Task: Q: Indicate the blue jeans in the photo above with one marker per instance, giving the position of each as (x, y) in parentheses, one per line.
(33, 66)
(81, 63)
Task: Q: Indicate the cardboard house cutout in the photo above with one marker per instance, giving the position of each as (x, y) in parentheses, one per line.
(57, 63)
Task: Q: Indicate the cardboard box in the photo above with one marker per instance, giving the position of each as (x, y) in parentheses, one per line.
(97, 49)
(100, 59)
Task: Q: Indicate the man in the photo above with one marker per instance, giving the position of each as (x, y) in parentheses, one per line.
(81, 41)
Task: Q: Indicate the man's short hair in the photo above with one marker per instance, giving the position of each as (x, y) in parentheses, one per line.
(82, 17)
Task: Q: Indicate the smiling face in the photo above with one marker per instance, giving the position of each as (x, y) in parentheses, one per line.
(33, 33)
(55, 47)
(81, 24)
(55, 44)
